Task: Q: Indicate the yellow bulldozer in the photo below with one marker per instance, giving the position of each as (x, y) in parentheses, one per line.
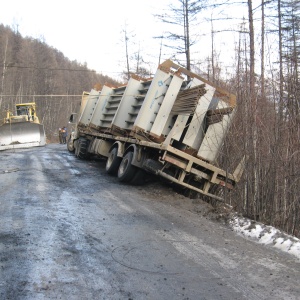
(22, 130)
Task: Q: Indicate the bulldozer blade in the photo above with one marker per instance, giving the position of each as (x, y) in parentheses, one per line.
(21, 135)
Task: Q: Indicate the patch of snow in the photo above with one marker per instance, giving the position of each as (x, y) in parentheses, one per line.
(266, 235)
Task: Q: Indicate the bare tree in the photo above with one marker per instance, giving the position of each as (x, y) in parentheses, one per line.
(262, 52)
(126, 39)
(182, 17)
(3, 71)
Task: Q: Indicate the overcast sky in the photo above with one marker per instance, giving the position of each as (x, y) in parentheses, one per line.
(91, 31)
(88, 31)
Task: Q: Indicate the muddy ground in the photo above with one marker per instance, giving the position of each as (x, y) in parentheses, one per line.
(70, 231)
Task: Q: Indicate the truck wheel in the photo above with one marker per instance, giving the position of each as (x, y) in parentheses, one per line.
(126, 170)
(82, 150)
(70, 145)
(113, 162)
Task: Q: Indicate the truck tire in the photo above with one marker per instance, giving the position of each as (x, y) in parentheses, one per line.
(126, 170)
(70, 145)
(82, 149)
(113, 162)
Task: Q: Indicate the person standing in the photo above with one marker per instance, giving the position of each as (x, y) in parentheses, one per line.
(60, 135)
(64, 135)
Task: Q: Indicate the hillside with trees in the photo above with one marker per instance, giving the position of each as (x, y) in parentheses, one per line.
(31, 71)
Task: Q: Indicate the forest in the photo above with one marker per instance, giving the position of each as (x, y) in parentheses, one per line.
(266, 127)
(31, 71)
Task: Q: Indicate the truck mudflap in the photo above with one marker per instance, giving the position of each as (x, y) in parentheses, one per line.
(21, 135)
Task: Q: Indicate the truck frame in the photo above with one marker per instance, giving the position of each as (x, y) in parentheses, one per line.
(172, 125)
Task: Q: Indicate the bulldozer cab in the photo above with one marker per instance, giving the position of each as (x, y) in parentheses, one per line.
(24, 112)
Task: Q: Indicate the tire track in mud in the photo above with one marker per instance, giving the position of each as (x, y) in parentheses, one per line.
(61, 245)
(43, 232)
(15, 235)
(62, 241)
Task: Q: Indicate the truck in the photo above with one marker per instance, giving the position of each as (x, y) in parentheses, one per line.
(171, 125)
(22, 129)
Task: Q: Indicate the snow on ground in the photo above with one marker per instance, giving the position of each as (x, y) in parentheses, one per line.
(267, 235)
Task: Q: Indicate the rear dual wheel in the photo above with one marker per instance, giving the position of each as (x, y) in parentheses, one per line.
(126, 170)
(113, 162)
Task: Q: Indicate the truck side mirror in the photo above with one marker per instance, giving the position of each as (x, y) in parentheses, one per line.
(73, 118)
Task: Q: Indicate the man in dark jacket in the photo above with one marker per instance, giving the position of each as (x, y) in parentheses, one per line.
(60, 135)
(64, 135)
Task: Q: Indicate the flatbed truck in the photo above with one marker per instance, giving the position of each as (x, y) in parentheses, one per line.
(172, 125)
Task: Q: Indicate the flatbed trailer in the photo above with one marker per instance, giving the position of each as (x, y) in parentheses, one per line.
(172, 125)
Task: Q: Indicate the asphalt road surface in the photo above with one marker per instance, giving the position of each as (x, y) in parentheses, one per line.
(70, 231)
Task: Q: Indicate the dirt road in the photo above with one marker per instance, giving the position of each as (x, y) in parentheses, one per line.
(70, 231)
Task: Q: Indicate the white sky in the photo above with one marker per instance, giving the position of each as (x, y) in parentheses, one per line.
(88, 31)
